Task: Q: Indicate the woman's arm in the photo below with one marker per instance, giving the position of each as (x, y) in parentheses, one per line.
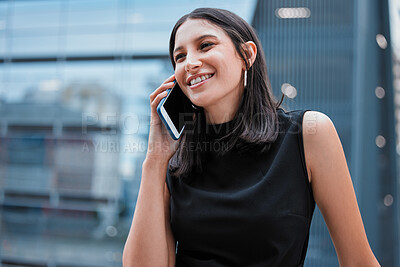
(150, 241)
(149, 238)
(333, 191)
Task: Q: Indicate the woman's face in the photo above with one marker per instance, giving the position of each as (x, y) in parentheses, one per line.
(208, 67)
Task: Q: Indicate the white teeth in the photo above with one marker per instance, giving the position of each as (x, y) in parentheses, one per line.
(199, 79)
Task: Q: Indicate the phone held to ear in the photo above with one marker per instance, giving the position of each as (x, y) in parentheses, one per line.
(175, 111)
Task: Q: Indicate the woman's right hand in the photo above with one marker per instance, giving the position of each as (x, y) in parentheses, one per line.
(161, 146)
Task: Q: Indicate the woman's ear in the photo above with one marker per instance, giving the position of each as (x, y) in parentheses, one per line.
(250, 50)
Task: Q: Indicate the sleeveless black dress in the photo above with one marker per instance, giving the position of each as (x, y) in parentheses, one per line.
(245, 209)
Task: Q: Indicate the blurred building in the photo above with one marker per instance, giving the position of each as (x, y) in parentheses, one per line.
(59, 176)
(75, 79)
(334, 56)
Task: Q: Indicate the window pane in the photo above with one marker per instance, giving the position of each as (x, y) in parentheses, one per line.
(35, 46)
(31, 14)
(90, 44)
(93, 12)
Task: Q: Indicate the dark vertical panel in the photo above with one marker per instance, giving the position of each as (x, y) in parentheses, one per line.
(388, 223)
(375, 162)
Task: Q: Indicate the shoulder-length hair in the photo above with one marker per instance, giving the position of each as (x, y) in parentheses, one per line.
(256, 122)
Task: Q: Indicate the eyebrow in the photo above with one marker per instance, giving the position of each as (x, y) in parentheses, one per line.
(197, 39)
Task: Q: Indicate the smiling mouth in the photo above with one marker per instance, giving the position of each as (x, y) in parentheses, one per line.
(200, 79)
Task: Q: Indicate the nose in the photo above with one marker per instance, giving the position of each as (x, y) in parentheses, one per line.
(192, 63)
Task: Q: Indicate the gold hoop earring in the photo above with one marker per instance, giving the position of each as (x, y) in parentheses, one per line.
(245, 78)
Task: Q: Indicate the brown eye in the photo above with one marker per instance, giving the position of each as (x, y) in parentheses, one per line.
(205, 45)
(178, 57)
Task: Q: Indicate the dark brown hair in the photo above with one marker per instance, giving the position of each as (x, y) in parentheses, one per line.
(256, 123)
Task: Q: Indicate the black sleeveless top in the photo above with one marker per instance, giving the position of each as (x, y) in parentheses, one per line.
(245, 209)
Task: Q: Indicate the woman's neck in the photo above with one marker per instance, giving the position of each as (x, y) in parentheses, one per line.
(223, 111)
(218, 116)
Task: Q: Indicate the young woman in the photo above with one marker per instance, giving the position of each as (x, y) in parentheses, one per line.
(242, 185)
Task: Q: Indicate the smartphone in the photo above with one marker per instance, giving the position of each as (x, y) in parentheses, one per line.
(175, 111)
